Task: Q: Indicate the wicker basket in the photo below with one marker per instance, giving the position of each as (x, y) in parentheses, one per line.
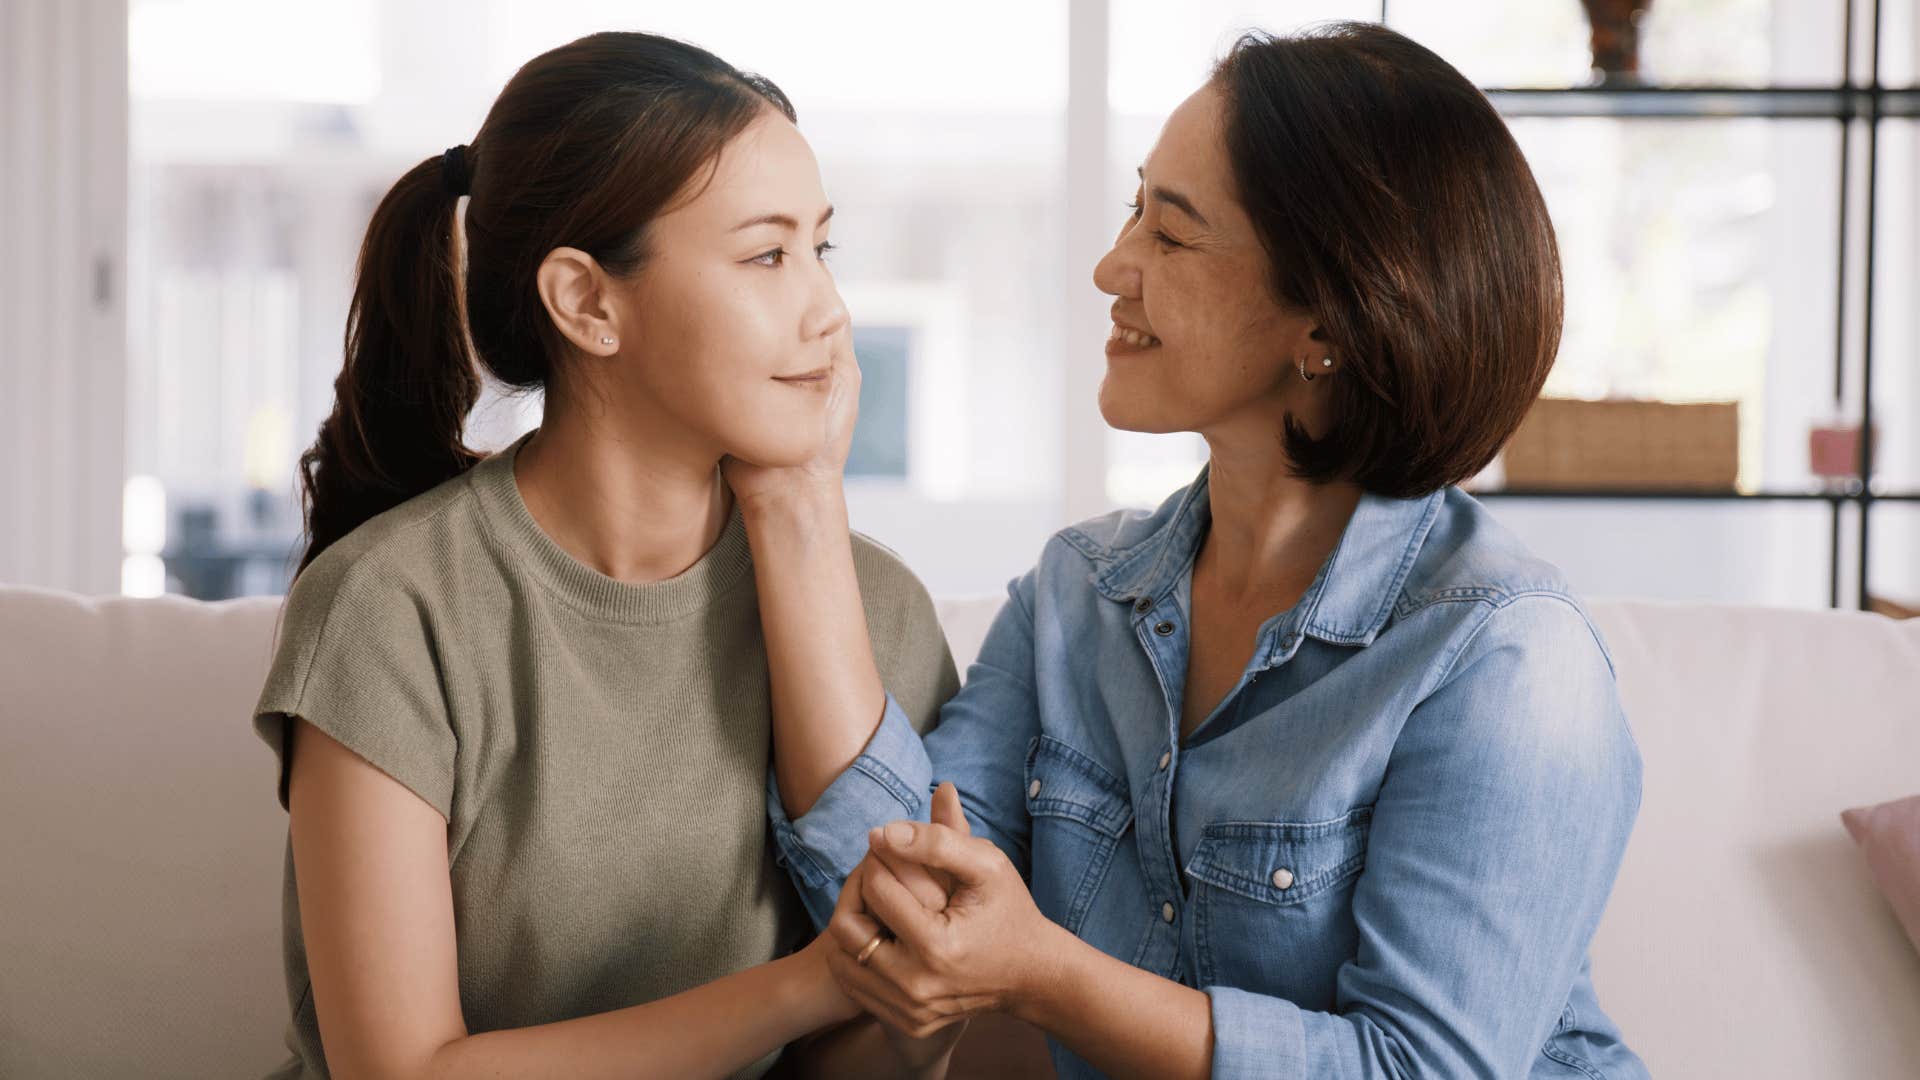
(1564, 443)
(1893, 609)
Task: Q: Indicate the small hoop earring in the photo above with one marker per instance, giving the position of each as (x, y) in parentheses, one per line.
(1302, 365)
(606, 341)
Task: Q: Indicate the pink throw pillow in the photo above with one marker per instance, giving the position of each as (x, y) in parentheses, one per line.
(1889, 834)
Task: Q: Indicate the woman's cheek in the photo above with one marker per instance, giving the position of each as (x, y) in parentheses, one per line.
(756, 347)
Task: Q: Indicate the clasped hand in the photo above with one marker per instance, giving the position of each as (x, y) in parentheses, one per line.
(957, 927)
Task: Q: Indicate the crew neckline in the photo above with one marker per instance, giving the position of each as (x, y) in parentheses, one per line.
(512, 526)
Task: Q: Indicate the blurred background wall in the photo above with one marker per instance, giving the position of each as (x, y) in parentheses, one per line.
(184, 184)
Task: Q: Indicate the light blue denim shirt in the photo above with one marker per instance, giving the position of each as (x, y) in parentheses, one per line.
(1382, 855)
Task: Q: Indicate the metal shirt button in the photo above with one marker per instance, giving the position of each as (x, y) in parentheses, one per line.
(1166, 911)
(1163, 628)
(1283, 878)
(1033, 790)
(1143, 605)
(1165, 756)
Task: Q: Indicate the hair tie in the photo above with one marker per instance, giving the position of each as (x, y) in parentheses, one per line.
(453, 170)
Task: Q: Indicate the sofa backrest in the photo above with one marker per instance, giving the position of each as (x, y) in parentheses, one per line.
(141, 855)
(141, 842)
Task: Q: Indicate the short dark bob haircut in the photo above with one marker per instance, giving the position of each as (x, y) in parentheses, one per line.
(1399, 212)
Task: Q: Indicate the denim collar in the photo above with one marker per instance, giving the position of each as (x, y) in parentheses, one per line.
(1351, 597)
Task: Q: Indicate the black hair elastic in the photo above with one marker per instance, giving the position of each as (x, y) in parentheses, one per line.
(453, 170)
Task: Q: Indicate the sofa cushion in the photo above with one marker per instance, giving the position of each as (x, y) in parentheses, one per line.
(1889, 836)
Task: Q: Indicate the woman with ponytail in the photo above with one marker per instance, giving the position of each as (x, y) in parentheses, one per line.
(520, 702)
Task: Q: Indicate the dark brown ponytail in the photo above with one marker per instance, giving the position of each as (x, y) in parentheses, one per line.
(401, 402)
(585, 146)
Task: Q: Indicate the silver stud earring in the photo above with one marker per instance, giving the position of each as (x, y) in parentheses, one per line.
(1302, 365)
(606, 341)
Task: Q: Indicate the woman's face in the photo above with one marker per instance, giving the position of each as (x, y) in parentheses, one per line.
(1198, 342)
(726, 334)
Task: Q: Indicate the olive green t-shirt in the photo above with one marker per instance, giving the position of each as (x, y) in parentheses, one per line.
(599, 749)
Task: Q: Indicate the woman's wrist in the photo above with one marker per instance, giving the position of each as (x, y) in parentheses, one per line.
(813, 991)
(802, 505)
(797, 531)
(1054, 969)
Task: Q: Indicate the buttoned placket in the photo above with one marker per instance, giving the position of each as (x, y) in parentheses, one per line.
(1161, 626)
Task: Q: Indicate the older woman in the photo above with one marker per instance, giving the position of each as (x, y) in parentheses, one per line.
(1314, 770)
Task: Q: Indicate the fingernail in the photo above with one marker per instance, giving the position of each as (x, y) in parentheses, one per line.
(899, 832)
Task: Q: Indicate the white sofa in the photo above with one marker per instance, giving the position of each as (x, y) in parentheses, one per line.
(141, 844)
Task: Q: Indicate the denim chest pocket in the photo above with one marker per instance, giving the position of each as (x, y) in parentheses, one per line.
(1080, 811)
(1272, 903)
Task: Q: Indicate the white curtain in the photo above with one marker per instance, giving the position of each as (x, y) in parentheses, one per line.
(63, 239)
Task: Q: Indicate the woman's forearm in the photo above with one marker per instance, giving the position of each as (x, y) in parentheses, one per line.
(827, 697)
(1125, 1021)
(712, 1030)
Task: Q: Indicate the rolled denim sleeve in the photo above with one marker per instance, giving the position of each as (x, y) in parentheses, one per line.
(1256, 1035)
(890, 780)
(1495, 840)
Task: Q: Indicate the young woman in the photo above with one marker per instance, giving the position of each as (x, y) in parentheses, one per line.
(1314, 770)
(521, 702)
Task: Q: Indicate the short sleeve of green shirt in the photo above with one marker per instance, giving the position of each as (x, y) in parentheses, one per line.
(354, 657)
